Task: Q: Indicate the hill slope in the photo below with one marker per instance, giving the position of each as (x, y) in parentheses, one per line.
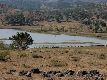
(36, 4)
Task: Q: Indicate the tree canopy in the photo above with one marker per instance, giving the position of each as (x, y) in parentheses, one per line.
(21, 40)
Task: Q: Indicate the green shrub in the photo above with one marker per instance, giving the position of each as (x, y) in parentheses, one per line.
(21, 40)
(3, 46)
(36, 56)
(4, 56)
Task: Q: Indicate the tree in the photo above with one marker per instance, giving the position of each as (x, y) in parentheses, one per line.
(16, 19)
(21, 40)
(99, 26)
(58, 17)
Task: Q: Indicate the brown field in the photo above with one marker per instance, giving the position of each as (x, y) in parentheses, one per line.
(84, 58)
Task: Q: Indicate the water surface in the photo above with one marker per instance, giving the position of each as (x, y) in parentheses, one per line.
(64, 40)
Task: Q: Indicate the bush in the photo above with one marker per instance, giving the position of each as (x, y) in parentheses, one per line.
(36, 56)
(3, 46)
(21, 40)
(4, 56)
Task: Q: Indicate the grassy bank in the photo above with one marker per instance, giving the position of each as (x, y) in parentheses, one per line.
(73, 28)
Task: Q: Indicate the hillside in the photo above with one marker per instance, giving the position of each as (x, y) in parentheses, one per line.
(23, 4)
(36, 4)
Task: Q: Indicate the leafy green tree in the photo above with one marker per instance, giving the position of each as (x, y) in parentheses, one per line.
(21, 40)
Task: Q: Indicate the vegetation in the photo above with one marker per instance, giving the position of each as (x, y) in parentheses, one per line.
(55, 63)
(36, 55)
(18, 19)
(4, 46)
(4, 55)
(21, 40)
(77, 59)
(58, 63)
(93, 15)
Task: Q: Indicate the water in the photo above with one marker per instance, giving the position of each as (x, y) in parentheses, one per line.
(49, 40)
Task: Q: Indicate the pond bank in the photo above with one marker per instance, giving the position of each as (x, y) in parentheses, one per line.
(35, 29)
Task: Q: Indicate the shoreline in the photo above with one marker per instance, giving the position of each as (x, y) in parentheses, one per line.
(30, 29)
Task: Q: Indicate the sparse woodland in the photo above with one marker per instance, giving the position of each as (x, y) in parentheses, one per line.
(93, 15)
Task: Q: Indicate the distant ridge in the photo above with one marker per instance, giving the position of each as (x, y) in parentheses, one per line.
(36, 4)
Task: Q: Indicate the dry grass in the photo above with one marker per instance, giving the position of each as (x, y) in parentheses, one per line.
(49, 27)
(65, 27)
(86, 58)
(70, 28)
